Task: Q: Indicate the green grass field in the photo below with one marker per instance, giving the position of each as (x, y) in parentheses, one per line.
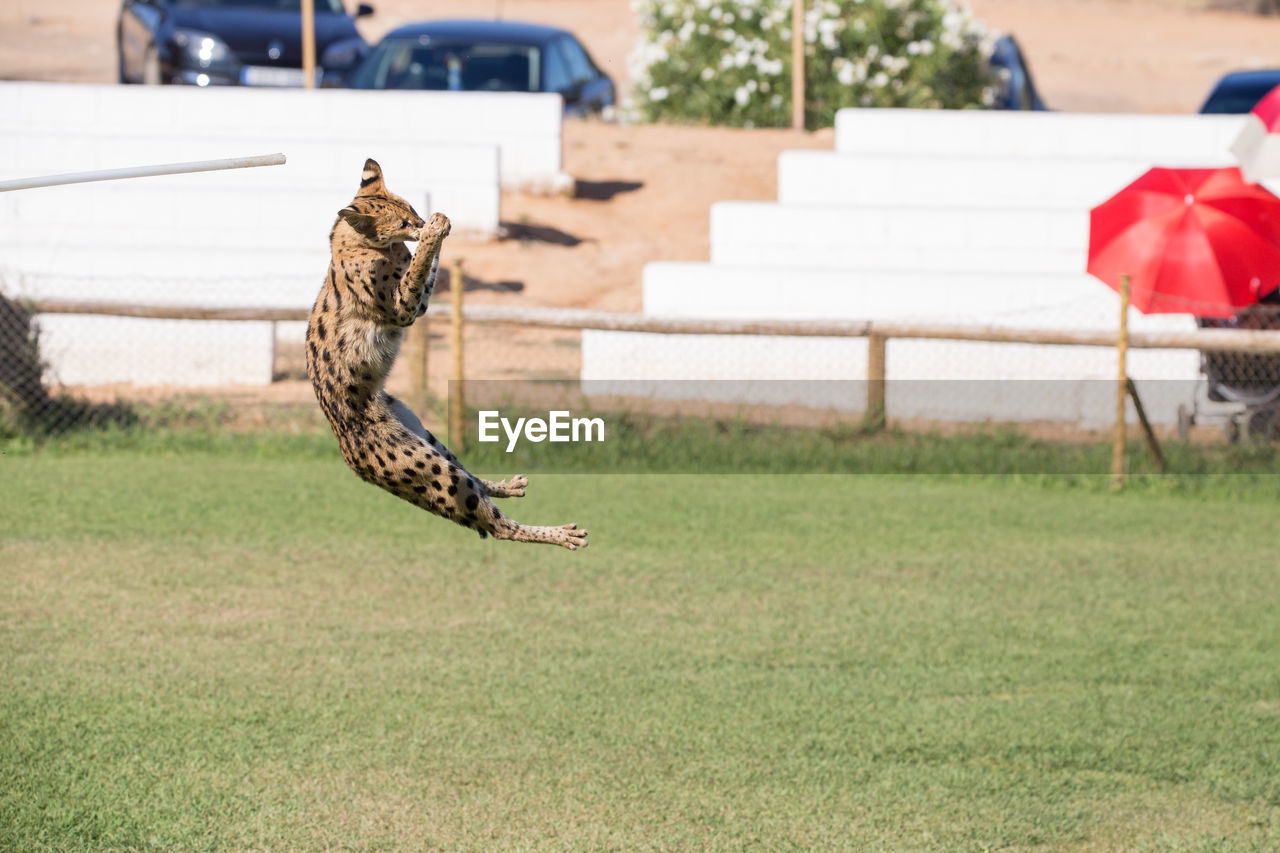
(232, 649)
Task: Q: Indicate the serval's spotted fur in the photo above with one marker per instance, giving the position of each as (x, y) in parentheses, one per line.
(375, 289)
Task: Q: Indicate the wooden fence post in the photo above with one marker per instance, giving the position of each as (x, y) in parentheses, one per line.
(1122, 388)
(874, 417)
(309, 44)
(457, 383)
(417, 352)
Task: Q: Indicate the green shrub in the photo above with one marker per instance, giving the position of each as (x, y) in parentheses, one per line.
(728, 62)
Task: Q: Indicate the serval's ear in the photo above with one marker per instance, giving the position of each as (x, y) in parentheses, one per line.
(362, 222)
(371, 179)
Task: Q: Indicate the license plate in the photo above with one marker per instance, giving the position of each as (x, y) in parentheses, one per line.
(259, 75)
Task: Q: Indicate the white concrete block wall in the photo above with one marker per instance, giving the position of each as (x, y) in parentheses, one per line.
(1154, 139)
(881, 238)
(1010, 301)
(82, 350)
(959, 381)
(526, 128)
(975, 181)
(317, 180)
(999, 299)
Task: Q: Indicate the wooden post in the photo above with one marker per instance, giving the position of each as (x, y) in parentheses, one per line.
(874, 417)
(457, 392)
(797, 64)
(309, 44)
(1122, 387)
(1153, 446)
(417, 351)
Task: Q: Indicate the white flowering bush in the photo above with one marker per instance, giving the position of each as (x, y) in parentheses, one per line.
(728, 62)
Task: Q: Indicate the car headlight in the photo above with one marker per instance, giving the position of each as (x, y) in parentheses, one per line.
(201, 49)
(344, 54)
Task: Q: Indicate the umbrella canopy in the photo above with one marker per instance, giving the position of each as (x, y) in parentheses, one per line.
(1258, 145)
(1192, 241)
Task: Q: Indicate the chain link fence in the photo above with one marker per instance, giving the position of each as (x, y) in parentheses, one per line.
(67, 365)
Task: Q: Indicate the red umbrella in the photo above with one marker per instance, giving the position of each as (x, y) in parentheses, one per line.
(1192, 241)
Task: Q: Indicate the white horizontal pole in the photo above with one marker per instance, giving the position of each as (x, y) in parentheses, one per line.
(142, 172)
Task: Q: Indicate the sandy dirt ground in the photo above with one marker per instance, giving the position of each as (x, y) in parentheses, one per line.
(647, 189)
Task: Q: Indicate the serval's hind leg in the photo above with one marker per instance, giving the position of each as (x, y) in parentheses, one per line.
(566, 536)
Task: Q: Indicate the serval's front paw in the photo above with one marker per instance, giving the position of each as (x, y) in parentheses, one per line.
(513, 488)
(437, 228)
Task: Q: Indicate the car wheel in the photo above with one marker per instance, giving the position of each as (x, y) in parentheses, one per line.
(151, 67)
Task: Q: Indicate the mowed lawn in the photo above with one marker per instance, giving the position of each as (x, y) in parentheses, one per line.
(215, 652)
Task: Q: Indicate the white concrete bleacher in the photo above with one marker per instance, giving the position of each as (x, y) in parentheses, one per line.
(1159, 140)
(525, 128)
(923, 237)
(975, 181)
(927, 216)
(244, 237)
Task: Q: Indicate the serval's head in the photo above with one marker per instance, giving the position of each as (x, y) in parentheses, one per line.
(379, 217)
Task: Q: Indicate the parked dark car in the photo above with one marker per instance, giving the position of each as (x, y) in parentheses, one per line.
(1018, 90)
(232, 42)
(1238, 91)
(486, 56)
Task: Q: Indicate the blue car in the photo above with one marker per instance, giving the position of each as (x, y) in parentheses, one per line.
(231, 42)
(485, 56)
(1238, 91)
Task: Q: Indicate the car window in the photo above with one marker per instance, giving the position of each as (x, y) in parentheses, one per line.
(497, 67)
(411, 66)
(424, 63)
(558, 76)
(580, 68)
(332, 6)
